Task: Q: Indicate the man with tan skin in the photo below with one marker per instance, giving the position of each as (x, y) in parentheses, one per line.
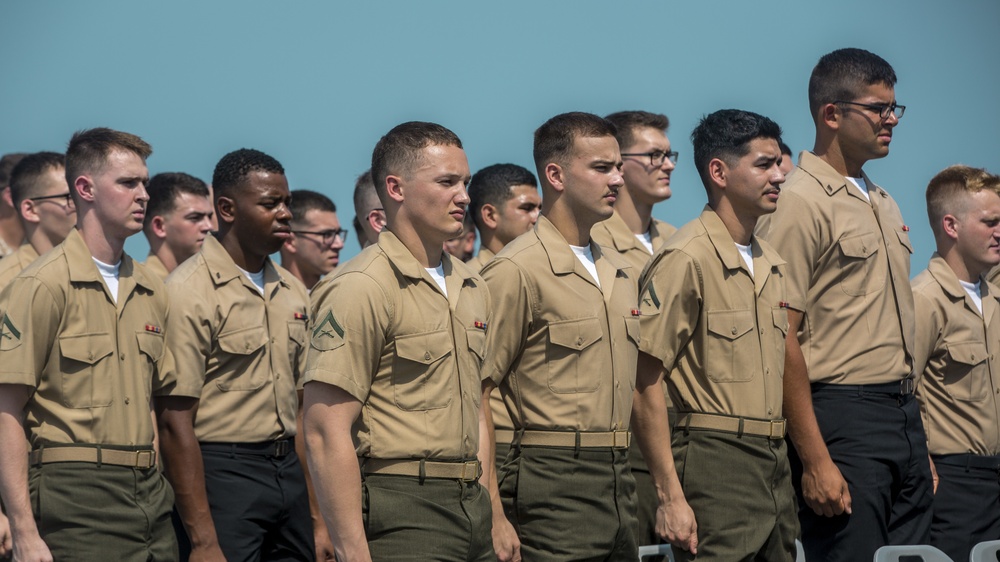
(564, 355)
(39, 192)
(11, 231)
(463, 246)
(958, 335)
(393, 390)
(787, 161)
(178, 219)
(647, 164)
(369, 216)
(317, 238)
(229, 424)
(83, 350)
(713, 324)
(860, 457)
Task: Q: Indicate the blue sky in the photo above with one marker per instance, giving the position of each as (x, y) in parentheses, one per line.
(316, 84)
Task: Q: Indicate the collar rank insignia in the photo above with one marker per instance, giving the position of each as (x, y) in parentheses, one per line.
(154, 329)
(480, 325)
(300, 316)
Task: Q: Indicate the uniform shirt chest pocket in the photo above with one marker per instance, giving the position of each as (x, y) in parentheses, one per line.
(239, 372)
(86, 371)
(966, 379)
(573, 361)
(862, 271)
(731, 347)
(422, 378)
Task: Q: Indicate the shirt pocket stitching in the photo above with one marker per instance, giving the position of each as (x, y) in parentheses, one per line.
(80, 371)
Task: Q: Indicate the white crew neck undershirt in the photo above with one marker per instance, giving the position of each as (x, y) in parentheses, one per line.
(975, 291)
(646, 239)
(747, 254)
(862, 186)
(110, 275)
(586, 257)
(437, 274)
(256, 279)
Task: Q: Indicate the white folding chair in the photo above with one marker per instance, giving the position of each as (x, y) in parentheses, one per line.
(656, 550)
(986, 551)
(925, 552)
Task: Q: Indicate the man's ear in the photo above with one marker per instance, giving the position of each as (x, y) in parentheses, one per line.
(28, 212)
(394, 188)
(718, 172)
(555, 177)
(829, 116)
(490, 216)
(225, 208)
(157, 226)
(949, 225)
(84, 187)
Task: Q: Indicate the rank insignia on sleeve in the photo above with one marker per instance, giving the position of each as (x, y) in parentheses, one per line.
(480, 325)
(300, 316)
(328, 327)
(8, 331)
(650, 298)
(154, 329)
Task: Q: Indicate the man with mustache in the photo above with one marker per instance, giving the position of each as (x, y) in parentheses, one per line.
(228, 424)
(178, 219)
(860, 457)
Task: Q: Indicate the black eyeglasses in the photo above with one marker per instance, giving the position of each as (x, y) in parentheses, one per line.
(328, 236)
(67, 196)
(883, 110)
(657, 157)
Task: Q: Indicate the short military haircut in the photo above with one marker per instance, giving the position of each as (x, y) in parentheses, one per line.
(628, 122)
(946, 190)
(842, 74)
(304, 200)
(554, 139)
(89, 149)
(165, 188)
(399, 150)
(7, 163)
(25, 177)
(492, 185)
(726, 135)
(365, 198)
(232, 170)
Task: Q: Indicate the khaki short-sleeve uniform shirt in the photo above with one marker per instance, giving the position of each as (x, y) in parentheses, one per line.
(994, 276)
(614, 233)
(848, 272)
(155, 265)
(240, 352)
(719, 331)
(564, 351)
(957, 353)
(482, 258)
(15, 263)
(385, 333)
(91, 363)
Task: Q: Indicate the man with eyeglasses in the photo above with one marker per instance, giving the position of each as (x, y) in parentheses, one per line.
(178, 219)
(317, 239)
(861, 468)
(41, 196)
(647, 163)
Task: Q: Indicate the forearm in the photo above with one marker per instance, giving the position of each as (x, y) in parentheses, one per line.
(803, 429)
(336, 480)
(185, 469)
(487, 452)
(319, 526)
(14, 476)
(651, 429)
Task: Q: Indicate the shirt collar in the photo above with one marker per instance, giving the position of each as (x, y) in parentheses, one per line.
(82, 269)
(725, 246)
(401, 258)
(222, 269)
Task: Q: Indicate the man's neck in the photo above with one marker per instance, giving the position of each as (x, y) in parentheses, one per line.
(244, 259)
(575, 231)
(963, 269)
(740, 228)
(103, 246)
(637, 216)
(166, 257)
(11, 230)
(38, 240)
(308, 279)
(829, 151)
(427, 251)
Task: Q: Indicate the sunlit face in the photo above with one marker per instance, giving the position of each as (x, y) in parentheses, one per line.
(262, 219)
(864, 134)
(592, 177)
(754, 182)
(56, 215)
(317, 254)
(434, 194)
(647, 183)
(119, 193)
(187, 225)
(978, 228)
(518, 214)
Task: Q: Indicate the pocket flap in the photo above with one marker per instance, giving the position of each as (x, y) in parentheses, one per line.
(969, 353)
(151, 344)
(477, 342)
(904, 239)
(730, 324)
(780, 316)
(632, 328)
(86, 348)
(243, 342)
(424, 348)
(576, 334)
(859, 246)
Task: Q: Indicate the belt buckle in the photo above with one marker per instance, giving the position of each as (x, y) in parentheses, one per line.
(470, 466)
(282, 448)
(906, 386)
(145, 459)
(776, 429)
(621, 439)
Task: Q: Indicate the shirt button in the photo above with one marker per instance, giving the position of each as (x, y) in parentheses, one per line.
(427, 356)
(734, 330)
(770, 411)
(277, 375)
(122, 356)
(767, 371)
(579, 341)
(127, 401)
